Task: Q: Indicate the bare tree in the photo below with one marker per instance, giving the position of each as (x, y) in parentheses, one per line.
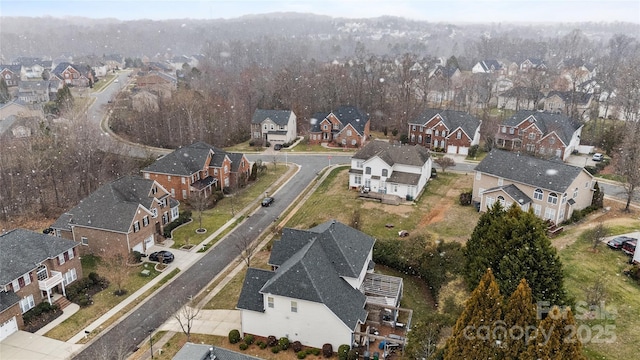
(597, 234)
(247, 247)
(444, 163)
(113, 264)
(199, 204)
(627, 160)
(186, 316)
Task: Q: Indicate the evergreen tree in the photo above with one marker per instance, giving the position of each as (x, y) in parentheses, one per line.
(598, 197)
(4, 92)
(556, 338)
(520, 322)
(473, 336)
(514, 244)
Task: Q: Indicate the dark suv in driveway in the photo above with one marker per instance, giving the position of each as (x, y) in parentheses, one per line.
(617, 242)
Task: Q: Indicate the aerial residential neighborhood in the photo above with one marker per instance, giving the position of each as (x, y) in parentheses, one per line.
(292, 185)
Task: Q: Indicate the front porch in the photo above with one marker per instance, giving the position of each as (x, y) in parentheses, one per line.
(50, 283)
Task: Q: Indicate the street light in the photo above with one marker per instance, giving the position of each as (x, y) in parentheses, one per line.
(151, 342)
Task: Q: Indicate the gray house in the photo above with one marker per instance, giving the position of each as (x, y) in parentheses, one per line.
(274, 126)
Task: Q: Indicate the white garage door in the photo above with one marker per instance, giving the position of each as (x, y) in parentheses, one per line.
(452, 149)
(463, 150)
(148, 242)
(8, 327)
(138, 248)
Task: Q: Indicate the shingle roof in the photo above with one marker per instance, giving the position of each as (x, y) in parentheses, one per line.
(547, 174)
(523, 92)
(547, 122)
(316, 119)
(13, 68)
(346, 114)
(568, 96)
(8, 299)
(312, 264)
(451, 118)
(191, 351)
(394, 154)
(280, 117)
(121, 197)
(184, 161)
(399, 177)
(23, 250)
(513, 191)
(488, 65)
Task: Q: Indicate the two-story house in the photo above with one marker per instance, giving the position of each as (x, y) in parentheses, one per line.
(553, 189)
(519, 98)
(533, 64)
(74, 75)
(33, 267)
(488, 67)
(128, 214)
(199, 167)
(346, 126)
(448, 130)
(273, 126)
(157, 82)
(571, 103)
(541, 133)
(34, 91)
(401, 170)
(317, 292)
(11, 74)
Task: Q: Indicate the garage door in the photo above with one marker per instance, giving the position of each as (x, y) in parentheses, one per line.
(138, 248)
(463, 150)
(8, 327)
(148, 242)
(452, 149)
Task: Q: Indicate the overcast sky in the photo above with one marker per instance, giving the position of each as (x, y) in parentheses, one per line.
(454, 11)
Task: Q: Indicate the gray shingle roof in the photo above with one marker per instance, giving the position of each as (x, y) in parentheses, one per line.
(112, 207)
(188, 160)
(392, 154)
(280, 117)
(23, 250)
(488, 65)
(312, 264)
(346, 114)
(569, 96)
(547, 174)
(191, 351)
(400, 177)
(523, 92)
(513, 191)
(547, 122)
(8, 299)
(451, 118)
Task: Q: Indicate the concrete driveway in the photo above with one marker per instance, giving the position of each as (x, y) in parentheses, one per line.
(28, 346)
(211, 322)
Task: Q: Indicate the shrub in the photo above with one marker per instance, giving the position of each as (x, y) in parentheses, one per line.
(343, 350)
(465, 198)
(301, 354)
(243, 346)
(296, 346)
(272, 341)
(262, 345)
(473, 151)
(248, 339)
(275, 349)
(184, 217)
(284, 343)
(314, 351)
(135, 257)
(352, 354)
(42, 308)
(81, 291)
(327, 350)
(234, 336)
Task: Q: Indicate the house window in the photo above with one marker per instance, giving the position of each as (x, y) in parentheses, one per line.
(549, 213)
(437, 133)
(419, 139)
(511, 130)
(165, 218)
(537, 194)
(184, 194)
(348, 132)
(532, 136)
(60, 259)
(575, 193)
(69, 277)
(459, 135)
(490, 201)
(564, 198)
(174, 213)
(413, 137)
(586, 185)
(41, 273)
(145, 220)
(325, 127)
(385, 172)
(444, 132)
(428, 131)
(353, 142)
(552, 141)
(501, 200)
(168, 177)
(504, 129)
(136, 226)
(395, 188)
(183, 180)
(265, 126)
(552, 198)
(359, 164)
(294, 306)
(226, 169)
(537, 209)
(154, 211)
(270, 302)
(146, 175)
(84, 241)
(154, 190)
(357, 180)
(367, 183)
(478, 175)
(344, 141)
(27, 304)
(70, 254)
(413, 128)
(271, 126)
(367, 170)
(500, 181)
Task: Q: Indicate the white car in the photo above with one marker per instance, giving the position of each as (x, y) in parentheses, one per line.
(598, 157)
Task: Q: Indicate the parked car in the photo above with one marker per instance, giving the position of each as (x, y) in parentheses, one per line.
(617, 242)
(166, 256)
(267, 201)
(629, 247)
(277, 147)
(597, 157)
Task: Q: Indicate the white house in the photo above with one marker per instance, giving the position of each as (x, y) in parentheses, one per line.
(274, 126)
(318, 289)
(401, 170)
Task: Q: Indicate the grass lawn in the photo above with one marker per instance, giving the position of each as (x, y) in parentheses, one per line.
(582, 267)
(104, 82)
(214, 218)
(102, 301)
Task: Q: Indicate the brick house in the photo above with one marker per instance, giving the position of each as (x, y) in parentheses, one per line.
(552, 189)
(540, 133)
(74, 75)
(199, 167)
(452, 131)
(346, 126)
(143, 208)
(11, 74)
(33, 267)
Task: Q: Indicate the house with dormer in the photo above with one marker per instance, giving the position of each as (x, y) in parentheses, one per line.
(394, 169)
(198, 168)
(570, 103)
(533, 64)
(11, 74)
(347, 126)
(34, 268)
(540, 133)
(73, 75)
(451, 131)
(551, 188)
(319, 287)
(274, 126)
(128, 214)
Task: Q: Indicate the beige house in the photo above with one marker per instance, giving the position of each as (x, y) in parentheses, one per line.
(552, 189)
